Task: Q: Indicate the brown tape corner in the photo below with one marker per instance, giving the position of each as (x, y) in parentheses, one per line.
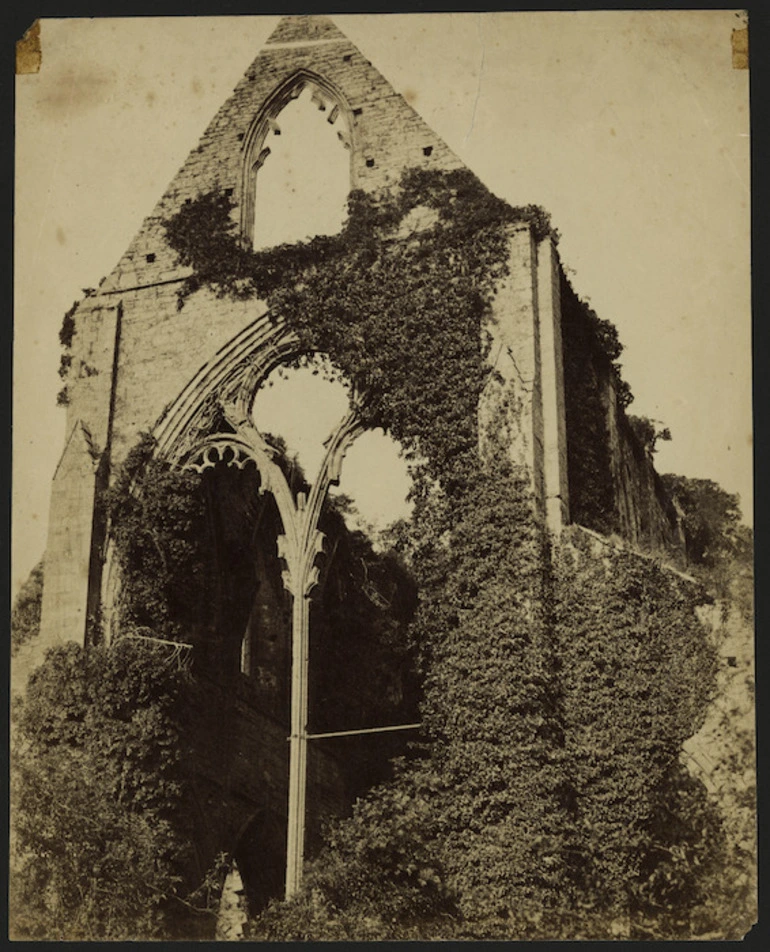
(29, 54)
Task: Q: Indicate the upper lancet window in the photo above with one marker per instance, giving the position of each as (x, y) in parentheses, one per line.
(297, 173)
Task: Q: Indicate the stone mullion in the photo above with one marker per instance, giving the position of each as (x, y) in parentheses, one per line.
(298, 547)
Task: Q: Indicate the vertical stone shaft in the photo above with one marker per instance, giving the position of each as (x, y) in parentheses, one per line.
(298, 743)
(521, 411)
(552, 387)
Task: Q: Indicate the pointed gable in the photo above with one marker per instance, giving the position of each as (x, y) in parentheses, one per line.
(304, 29)
(384, 135)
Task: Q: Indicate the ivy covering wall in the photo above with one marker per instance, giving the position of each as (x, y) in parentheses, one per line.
(508, 821)
(557, 686)
(591, 350)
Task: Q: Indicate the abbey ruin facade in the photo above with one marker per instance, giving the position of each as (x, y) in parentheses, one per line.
(188, 376)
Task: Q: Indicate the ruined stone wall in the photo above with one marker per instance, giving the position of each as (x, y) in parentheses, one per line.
(134, 351)
(66, 588)
(613, 486)
(160, 347)
(647, 517)
(244, 770)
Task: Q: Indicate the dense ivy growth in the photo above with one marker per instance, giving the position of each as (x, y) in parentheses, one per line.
(557, 687)
(636, 678)
(538, 806)
(504, 825)
(367, 297)
(25, 616)
(103, 810)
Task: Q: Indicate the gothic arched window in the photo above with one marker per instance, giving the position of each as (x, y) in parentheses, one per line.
(297, 168)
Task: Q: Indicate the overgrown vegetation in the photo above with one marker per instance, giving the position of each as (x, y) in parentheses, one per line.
(367, 297)
(538, 807)
(544, 799)
(492, 831)
(25, 616)
(159, 528)
(118, 828)
(102, 802)
(649, 432)
(636, 678)
(719, 545)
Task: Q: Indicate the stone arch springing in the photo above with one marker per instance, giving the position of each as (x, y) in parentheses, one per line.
(256, 144)
(211, 423)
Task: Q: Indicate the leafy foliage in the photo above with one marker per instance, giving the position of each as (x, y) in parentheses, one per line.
(158, 526)
(648, 432)
(679, 893)
(509, 819)
(25, 616)
(101, 799)
(711, 522)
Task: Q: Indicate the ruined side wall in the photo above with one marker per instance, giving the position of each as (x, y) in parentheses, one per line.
(75, 520)
(647, 517)
(522, 405)
(510, 411)
(65, 592)
(613, 486)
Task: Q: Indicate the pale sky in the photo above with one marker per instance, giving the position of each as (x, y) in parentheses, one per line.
(631, 128)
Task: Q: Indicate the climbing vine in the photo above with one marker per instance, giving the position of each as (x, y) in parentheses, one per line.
(529, 807)
(67, 365)
(366, 296)
(491, 829)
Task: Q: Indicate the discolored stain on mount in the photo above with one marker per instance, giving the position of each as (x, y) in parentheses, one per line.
(79, 87)
(740, 44)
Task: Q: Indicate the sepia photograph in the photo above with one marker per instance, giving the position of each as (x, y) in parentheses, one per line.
(382, 489)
